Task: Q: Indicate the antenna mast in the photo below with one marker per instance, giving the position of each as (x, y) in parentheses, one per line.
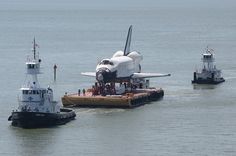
(34, 49)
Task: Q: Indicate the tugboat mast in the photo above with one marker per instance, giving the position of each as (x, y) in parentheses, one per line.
(33, 67)
(34, 48)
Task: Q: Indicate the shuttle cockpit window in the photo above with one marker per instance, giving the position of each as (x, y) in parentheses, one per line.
(106, 62)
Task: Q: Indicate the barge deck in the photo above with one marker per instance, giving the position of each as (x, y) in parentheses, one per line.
(128, 100)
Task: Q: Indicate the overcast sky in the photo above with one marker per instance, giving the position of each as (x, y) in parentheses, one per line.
(114, 4)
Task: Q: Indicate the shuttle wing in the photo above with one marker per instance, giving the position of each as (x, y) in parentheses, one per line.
(148, 75)
(91, 74)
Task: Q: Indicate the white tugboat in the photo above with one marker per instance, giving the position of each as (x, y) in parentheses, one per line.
(36, 105)
(209, 73)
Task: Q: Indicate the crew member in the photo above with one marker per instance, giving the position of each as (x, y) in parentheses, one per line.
(84, 92)
(78, 92)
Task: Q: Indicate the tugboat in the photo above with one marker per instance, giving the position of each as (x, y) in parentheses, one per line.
(36, 106)
(209, 73)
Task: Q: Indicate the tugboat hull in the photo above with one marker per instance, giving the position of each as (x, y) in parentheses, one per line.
(38, 119)
(201, 78)
(208, 81)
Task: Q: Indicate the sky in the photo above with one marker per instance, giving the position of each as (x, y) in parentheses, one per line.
(113, 4)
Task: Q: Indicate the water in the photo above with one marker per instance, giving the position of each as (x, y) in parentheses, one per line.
(190, 120)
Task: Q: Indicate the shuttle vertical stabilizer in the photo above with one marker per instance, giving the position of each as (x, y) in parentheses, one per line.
(128, 42)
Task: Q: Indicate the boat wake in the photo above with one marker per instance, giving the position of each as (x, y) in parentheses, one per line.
(92, 111)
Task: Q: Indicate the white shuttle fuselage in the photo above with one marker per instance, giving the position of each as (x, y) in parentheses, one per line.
(123, 66)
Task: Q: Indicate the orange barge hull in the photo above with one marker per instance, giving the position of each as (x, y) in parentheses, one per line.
(128, 100)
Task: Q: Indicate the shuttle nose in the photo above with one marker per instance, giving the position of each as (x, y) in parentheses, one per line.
(102, 74)
(105, 75)
(99, 76)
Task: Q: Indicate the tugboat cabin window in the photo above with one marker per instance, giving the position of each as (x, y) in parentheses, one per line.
(25, 91)
(207, 56)
(31, 92)
(32, 66)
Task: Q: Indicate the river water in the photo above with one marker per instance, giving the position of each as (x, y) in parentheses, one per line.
(75, 35)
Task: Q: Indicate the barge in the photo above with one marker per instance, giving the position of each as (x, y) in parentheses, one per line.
(127, 100)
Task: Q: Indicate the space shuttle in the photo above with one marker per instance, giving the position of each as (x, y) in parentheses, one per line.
(122, 66)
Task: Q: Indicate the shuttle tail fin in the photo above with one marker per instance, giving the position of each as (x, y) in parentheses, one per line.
(128, 42)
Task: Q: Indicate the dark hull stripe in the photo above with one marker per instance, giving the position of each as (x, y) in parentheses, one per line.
(200, 81)
(36, 119)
